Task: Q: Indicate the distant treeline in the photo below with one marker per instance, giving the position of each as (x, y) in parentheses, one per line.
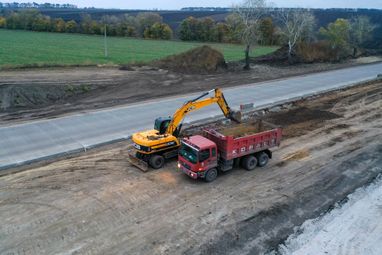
(175, 18)
(16, 5)
(195, 26)
(211, 9)
(227, 31)
(227, 9)
(145, 25)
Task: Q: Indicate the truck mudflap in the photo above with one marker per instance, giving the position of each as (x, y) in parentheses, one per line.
(139, 163)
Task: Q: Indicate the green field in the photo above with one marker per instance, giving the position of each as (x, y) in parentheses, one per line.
(25, 48)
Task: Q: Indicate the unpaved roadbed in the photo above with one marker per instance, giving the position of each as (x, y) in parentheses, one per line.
(98, 204)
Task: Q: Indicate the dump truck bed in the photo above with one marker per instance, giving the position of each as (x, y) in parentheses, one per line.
(243, 139)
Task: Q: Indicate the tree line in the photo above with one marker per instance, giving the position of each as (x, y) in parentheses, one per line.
(250, 23)
(296, 28)
(16, 5)
(228, 31)
(144, 25)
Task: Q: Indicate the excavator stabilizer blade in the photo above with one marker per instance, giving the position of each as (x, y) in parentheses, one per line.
(139, 163)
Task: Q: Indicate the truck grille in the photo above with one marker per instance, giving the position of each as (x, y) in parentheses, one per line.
(186, 165)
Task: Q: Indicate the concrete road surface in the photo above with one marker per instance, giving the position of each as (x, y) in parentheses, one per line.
(24, 143)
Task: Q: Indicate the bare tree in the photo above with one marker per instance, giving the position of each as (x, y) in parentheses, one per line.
(361, 30)
(295, 23)
(250, 13)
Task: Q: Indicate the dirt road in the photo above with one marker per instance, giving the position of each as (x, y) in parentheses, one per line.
(47, 93)
(97, 204)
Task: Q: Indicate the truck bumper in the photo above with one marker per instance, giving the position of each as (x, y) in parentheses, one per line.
(190, 173)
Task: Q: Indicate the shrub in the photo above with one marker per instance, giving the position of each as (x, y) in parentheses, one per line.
(158, 31)
(320, 51)
(3, 22)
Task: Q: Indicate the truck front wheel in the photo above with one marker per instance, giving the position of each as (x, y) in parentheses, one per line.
(249, 162)
(156, 161)
(263, 159)
(211, 175)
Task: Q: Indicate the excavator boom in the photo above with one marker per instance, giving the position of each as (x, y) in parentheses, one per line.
(197, 104)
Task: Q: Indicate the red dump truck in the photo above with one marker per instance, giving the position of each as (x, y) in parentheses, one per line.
(221, 149)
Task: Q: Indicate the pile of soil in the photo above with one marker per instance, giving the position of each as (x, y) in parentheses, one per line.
(201, 60)
(244, 129)
(278, 56)
(296, 122)
(18, 96)
(300, 115)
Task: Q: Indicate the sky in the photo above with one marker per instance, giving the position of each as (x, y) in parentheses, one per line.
(177, 4)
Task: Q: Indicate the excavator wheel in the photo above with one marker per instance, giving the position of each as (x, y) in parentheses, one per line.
(156, 161)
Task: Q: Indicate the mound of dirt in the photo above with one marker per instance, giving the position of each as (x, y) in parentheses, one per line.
(244, 129)
(297, 121)
(300, 115)
(17, 96)
(276, 57)
(201, 60)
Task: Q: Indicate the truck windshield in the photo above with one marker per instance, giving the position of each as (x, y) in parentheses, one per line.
(189, 153)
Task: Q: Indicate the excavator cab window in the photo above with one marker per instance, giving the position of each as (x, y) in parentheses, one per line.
(161, 125)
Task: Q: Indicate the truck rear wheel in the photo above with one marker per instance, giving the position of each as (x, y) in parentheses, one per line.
(211, 175)
(156, 161)
(263, 159)
(249, 162)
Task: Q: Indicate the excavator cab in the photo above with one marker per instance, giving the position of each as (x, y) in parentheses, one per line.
(161, 124)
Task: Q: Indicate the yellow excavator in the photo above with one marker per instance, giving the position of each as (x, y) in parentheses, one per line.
(153, 147)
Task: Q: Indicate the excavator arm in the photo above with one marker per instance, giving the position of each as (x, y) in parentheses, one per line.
(197, 104)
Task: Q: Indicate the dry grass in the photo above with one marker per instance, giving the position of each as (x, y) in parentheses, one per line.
(297, 155)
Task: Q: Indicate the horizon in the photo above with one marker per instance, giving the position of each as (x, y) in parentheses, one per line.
(174, 5)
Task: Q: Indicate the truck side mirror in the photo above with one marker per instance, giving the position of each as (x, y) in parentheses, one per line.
(213, 152)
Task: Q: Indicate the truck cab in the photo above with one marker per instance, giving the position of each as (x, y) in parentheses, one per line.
(223, 148)
(197, 156)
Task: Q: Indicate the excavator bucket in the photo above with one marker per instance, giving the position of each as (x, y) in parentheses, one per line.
(235, 116)
(139, 163)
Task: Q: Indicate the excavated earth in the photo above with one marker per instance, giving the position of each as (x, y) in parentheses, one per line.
(244, 129)
(96, 203)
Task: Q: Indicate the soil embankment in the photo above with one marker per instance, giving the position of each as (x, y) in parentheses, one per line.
(201, 60)
(97, 203)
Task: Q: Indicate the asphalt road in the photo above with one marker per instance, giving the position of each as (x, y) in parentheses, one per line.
(37, 140)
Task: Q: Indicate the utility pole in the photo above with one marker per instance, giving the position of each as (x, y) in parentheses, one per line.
(105, 41)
